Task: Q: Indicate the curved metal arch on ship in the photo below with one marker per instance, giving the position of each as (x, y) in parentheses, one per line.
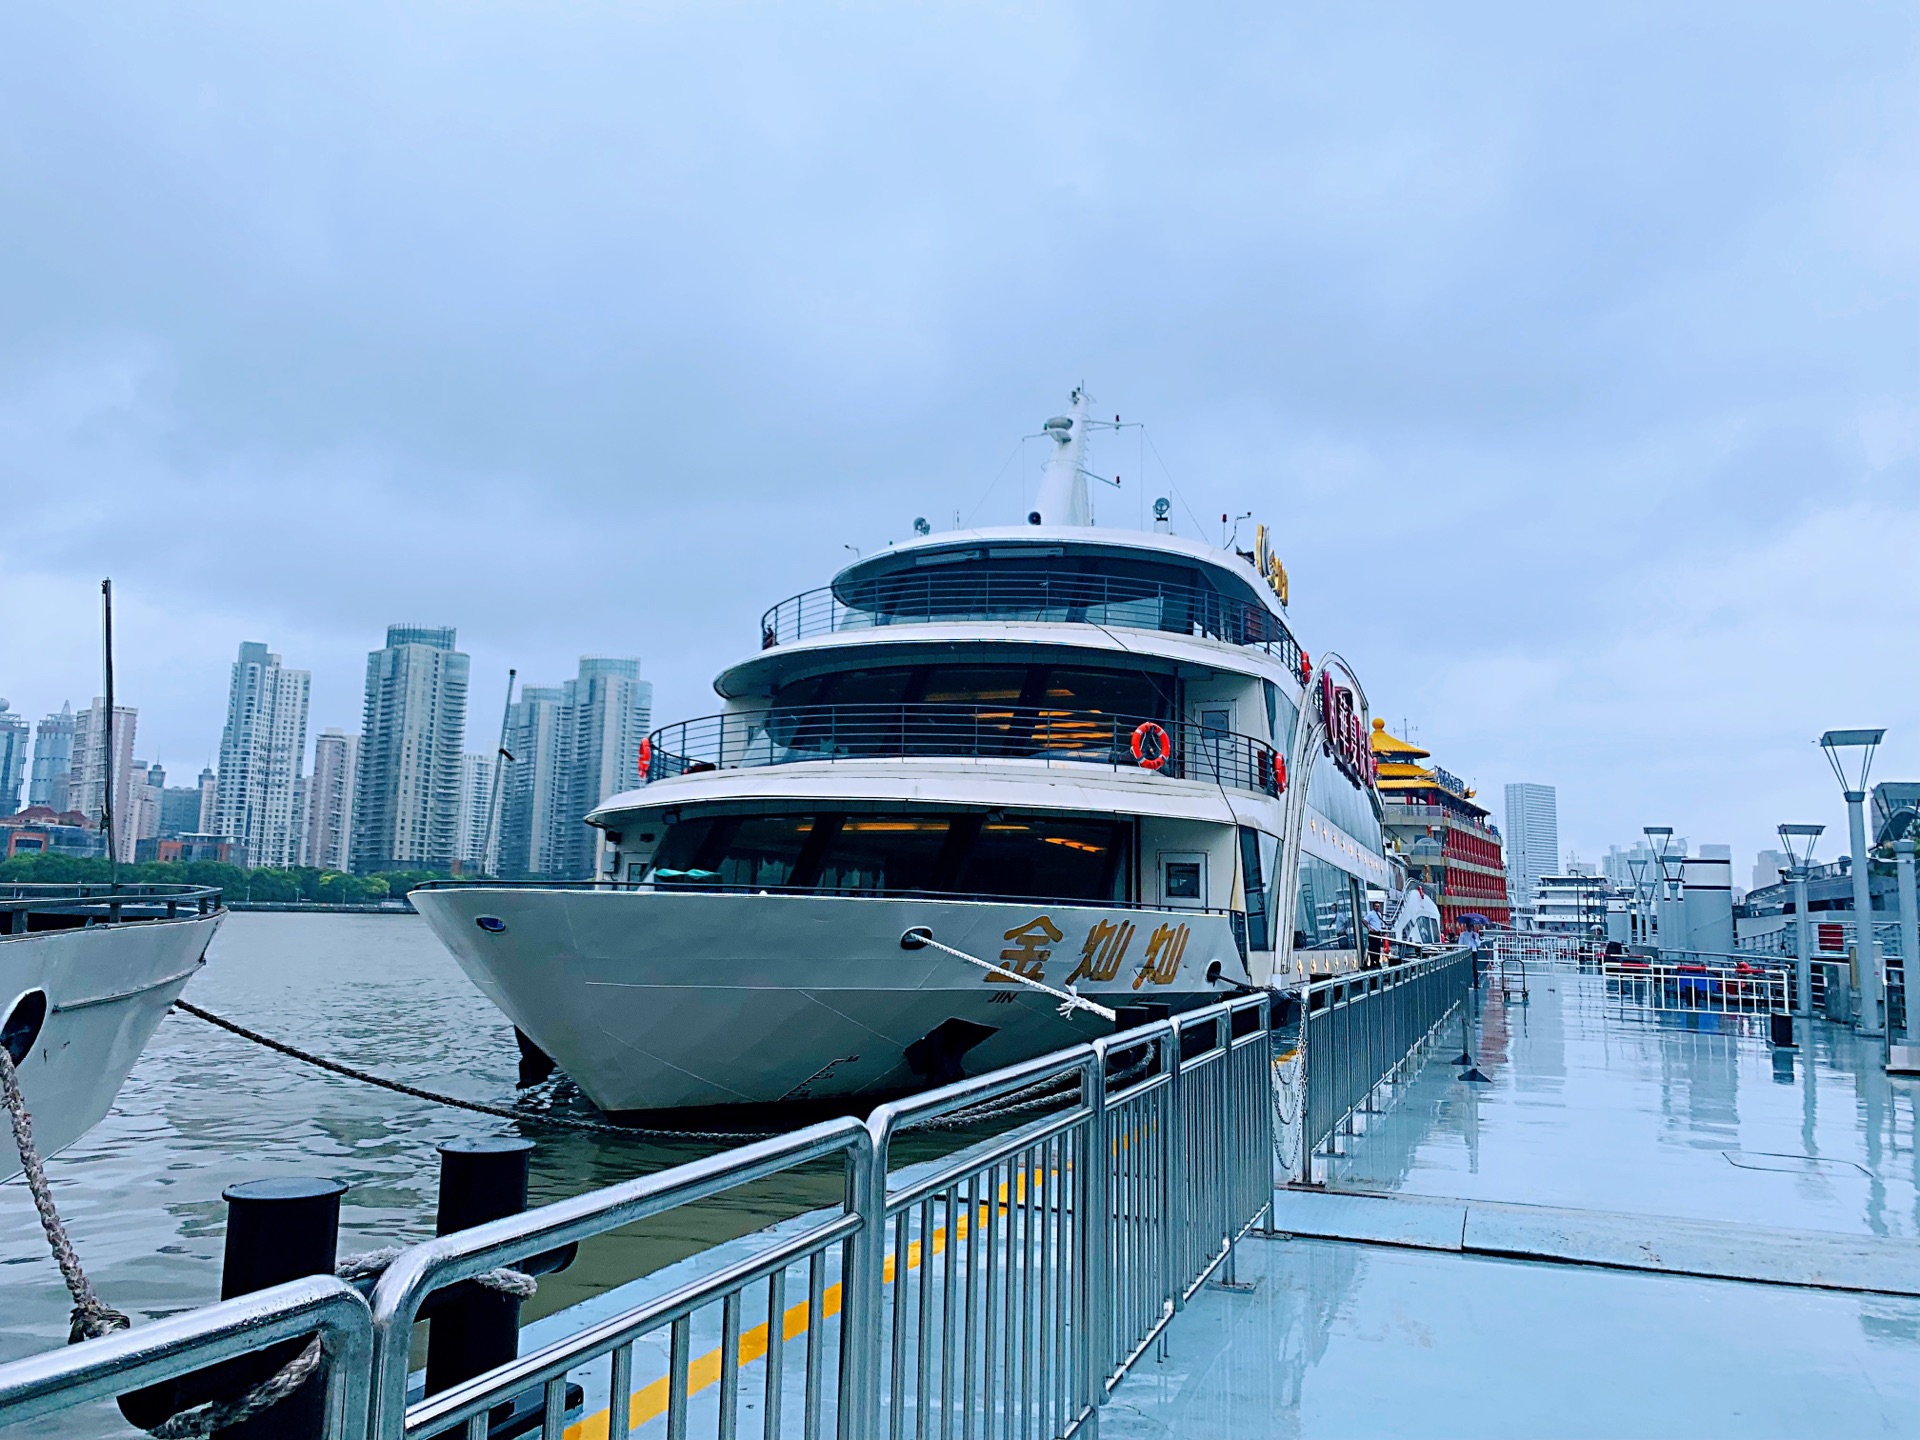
(1309, 732)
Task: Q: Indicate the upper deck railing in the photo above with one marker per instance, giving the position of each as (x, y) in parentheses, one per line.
(801, 734)
(1121, 602)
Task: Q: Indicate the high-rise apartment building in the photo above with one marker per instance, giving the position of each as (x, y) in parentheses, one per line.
(143, 800)
(476, 804)
(52, 760)
(1533, 840)
(14, 734)
(262, 752)
(406, 804)
(329, 838)
(573, 745)
(209, 800)
(1767, 866)
(179, 810)
(96, 765)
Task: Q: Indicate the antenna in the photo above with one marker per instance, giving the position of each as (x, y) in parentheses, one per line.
(490, 847)
(106, 804)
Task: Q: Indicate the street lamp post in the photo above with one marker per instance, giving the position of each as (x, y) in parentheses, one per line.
(1903, 855)
(1850, 752)
(1799, 840)
(1636, 872)
(1659, 837)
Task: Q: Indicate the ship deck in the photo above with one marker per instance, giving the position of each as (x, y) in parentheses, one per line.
(1644, 1223)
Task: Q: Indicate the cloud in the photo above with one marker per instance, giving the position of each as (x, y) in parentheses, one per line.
(601, 330)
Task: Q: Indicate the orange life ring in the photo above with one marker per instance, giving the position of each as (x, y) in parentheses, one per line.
(1162, 741)
(646, 755)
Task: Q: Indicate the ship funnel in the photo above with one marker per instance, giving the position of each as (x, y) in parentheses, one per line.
(1063, 488)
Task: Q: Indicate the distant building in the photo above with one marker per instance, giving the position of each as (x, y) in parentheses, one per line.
(209, 800)
(94, 770)
(14, 735)
(406, 804)
(40, 830)
(1571, 904)
(1441, 835)
(52, 760)
(179, 810)
(330, 800)
(186, 849)
(573, 745)
(1767, 866)
(262, 751)
(143, 804)
(476, 801)
(1533, 840)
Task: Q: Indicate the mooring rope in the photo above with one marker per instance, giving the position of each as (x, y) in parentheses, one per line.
(91, 1316)
(960, 1119)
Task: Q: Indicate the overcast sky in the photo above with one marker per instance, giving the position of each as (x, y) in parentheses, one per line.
(1571, 352)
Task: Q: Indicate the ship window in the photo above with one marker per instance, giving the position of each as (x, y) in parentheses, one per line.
(1255, 889)
(877, 853)
(1030, 857)
(1324, 919)
(1046, 858)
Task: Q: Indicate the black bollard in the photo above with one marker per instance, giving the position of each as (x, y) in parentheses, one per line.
(277, 1230)
(471, 1333)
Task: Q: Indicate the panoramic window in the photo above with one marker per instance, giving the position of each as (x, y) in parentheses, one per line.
(1029, 856)
(1324, 918)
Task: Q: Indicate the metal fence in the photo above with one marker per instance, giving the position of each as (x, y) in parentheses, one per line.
(1723, 989)
(1115, 601)
(1543, 949)
(1359, 1029)
(60, 1380)
(1001, 1292)
(808, 734)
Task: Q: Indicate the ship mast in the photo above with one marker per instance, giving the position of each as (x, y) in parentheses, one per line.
(1063, 483)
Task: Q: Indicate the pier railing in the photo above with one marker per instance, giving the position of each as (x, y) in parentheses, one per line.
(172, 1348)
(1359, 1031)
(1003, 1290)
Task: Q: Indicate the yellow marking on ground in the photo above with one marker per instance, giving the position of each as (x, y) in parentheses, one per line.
(650, 1401)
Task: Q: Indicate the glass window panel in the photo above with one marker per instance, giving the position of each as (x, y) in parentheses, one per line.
(1324, 919)
(1054, 858)
(876, 853)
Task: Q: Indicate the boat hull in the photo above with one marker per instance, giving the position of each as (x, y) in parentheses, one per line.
(655, 1001)
(107, 988)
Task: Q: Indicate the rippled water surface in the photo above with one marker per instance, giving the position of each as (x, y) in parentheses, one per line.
(204, 1109)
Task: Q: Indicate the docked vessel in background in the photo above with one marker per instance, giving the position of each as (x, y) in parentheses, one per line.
(86, 974)
(1096, 758)
(1435, 829)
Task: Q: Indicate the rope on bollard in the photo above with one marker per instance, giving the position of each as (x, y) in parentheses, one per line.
(215, 1415)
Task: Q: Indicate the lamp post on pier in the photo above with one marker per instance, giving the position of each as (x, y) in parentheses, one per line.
(1668, 914)
(1637, 926)
(1850, 752)
(1799, 840)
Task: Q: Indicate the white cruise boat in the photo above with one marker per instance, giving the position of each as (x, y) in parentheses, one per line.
(1095, 757)
(86, 974)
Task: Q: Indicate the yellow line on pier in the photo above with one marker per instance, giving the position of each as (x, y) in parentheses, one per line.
(650, 1402)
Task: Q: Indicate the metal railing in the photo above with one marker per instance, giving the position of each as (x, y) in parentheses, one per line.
(1699, 985)
(1002, 1291)
(1543, 949)
(749, 739)
(422, 1270)
(110, 903)
(982, 595)
(59, 1380)
(1360, 1029)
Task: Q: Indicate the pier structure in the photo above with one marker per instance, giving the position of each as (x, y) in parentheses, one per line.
(1545, 1190)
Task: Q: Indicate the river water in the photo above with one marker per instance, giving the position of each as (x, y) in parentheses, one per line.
(204, 1109)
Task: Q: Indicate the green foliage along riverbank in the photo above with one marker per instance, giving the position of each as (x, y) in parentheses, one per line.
(324, 887)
